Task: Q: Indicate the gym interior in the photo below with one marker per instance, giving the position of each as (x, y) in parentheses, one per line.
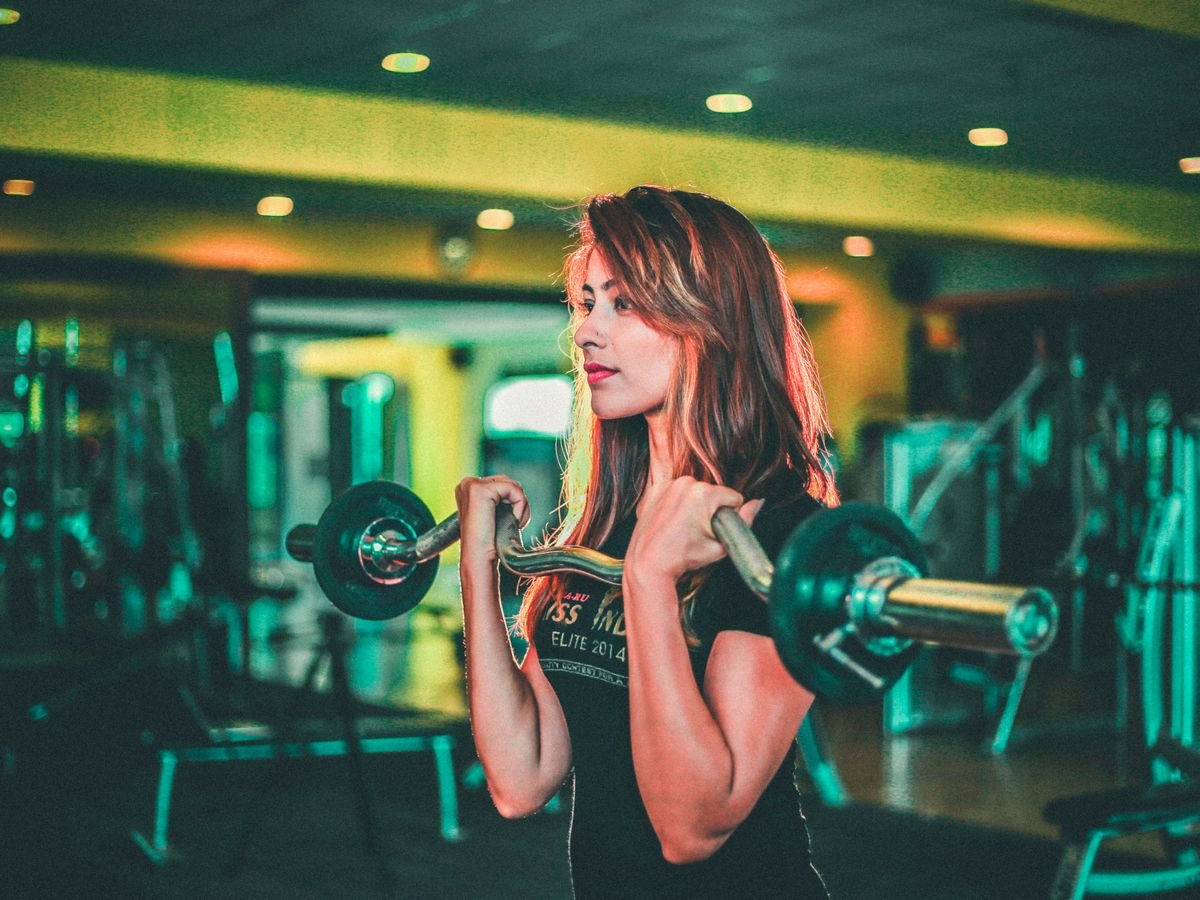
(259, 258)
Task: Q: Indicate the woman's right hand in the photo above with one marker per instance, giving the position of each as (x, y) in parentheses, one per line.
(477, 499)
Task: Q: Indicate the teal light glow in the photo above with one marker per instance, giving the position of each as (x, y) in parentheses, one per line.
(71, 342)
(12, 429)
(262, 460)
(227, 376)
(366, 399)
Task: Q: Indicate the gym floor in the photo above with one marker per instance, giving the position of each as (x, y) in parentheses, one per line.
(933, 814)
(1065, 742)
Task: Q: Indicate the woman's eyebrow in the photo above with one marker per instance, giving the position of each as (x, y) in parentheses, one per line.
(604, 287)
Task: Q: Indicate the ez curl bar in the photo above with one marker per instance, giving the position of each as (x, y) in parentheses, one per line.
(848, 600)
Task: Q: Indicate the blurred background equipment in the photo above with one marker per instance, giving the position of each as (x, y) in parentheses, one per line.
(1158, 628)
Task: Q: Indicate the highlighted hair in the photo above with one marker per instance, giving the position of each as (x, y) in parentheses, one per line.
(745, 406)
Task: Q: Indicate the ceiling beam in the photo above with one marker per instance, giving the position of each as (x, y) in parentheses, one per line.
(1172, 16)
(68, 110)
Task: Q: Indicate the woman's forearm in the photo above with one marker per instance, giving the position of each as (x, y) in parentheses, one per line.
(506, 712)
(683, 763)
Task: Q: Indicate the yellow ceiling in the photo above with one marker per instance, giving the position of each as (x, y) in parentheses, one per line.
(66, 110)
(1174, 16)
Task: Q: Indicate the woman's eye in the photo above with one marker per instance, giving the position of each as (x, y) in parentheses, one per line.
(622, 303)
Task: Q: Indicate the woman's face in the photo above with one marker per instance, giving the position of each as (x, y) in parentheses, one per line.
(628, 363)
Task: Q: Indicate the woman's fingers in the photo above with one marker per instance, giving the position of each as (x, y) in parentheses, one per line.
(479, 496)
(748, 510)
(703, 500)
(510, 492)
(674, 532)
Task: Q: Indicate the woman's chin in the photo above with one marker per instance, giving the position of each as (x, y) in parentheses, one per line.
(603, 411)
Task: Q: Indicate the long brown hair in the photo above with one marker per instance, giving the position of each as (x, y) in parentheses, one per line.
(745, 404)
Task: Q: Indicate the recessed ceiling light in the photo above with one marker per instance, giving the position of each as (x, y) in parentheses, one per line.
(18, 187)
(988, 137)
(9, 17)
(495, 219)
(728, 103)
(275, 206)
(1190, 165)
(405, 62)
(857, 245)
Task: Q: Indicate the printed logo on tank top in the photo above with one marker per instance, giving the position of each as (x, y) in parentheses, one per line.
(584, 634)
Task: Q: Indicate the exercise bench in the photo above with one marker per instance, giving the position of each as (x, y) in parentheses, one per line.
(386, 734)
(1087, 820)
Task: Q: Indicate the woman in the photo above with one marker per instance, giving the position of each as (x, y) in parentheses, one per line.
(666, 697)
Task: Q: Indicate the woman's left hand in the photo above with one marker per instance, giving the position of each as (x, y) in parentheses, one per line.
(674, 533)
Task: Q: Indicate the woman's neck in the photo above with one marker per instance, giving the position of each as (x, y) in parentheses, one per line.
(662, 463)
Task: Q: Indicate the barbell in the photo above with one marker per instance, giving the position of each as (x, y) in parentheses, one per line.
(847, 597)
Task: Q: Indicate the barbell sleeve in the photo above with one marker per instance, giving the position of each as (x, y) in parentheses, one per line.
(300, 540)
(969, 615)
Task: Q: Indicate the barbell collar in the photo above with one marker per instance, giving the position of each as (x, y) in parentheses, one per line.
(867, 600)
(377, 556)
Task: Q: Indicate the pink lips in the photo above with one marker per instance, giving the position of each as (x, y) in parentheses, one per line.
(597, 372)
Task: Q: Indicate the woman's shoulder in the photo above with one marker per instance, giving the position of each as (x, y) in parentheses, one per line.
(726, 603)
(780, 516)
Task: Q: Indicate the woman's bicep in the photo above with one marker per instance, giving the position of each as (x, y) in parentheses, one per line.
(758, 707)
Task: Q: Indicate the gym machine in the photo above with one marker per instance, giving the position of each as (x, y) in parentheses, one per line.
(848, 601)
(1159, 625)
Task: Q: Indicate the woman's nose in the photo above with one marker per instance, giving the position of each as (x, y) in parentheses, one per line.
(589, 332)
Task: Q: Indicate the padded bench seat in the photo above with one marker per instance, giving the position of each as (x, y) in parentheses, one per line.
(1127, 810)
(1087, 820)
(310, 738)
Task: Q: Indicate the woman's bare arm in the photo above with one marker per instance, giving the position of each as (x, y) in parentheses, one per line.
(704, 758)
(520, 733)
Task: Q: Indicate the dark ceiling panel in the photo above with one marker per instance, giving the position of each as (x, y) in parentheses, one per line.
(899, 76)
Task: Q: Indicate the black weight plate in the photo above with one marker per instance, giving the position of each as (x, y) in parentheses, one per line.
(336, 542)
(808, 592)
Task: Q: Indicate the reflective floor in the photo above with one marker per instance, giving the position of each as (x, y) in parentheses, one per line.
(1066, 738)
(1066, 742)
